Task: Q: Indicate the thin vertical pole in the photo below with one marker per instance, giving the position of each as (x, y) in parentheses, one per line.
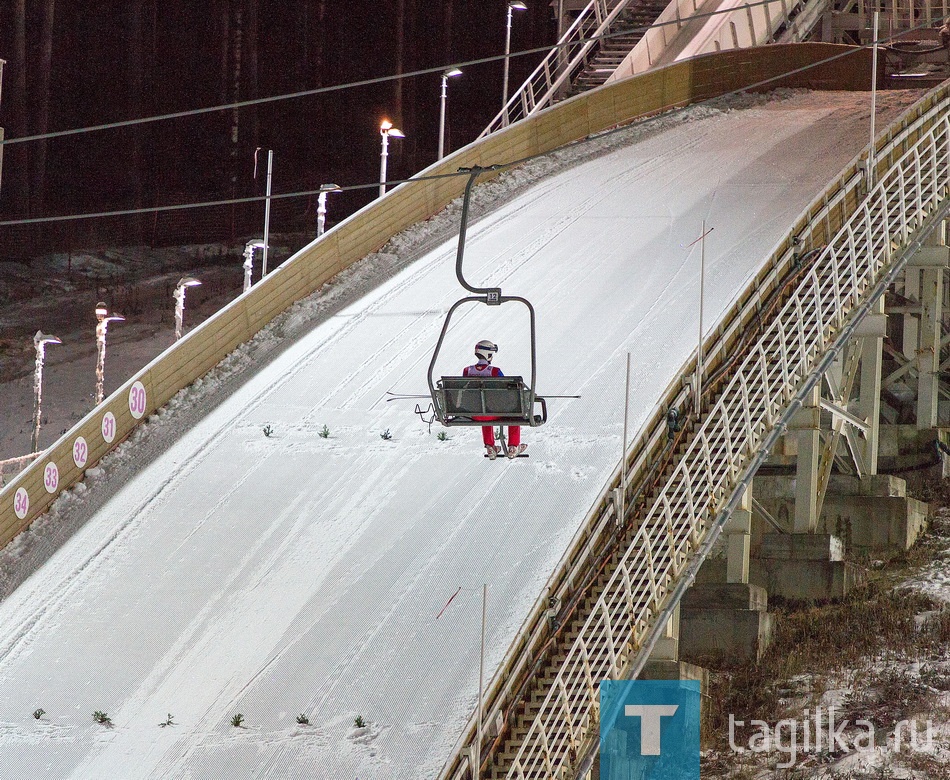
(702, 287)
(871, 161)
(623, 460)
(40, 341)
(445, 85)
(481, 677)
(382, 164)
(270, 170)
(101, 360)
(504, 87)
(321, 213)
(2, 63)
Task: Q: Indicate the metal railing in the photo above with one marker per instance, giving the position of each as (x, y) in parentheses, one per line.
(648, 577)
(554, 75)
(569, 56)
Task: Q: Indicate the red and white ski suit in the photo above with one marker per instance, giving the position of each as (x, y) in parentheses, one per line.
(483, 368)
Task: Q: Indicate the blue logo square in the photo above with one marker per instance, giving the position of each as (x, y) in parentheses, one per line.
(649, 729)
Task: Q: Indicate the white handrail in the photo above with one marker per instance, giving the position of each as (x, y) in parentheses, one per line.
(555, 71)
(846, 273)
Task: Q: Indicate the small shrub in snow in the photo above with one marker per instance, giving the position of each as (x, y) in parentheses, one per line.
(443, 436)
(359, 722)
(168, 721)
(39, 713)
(268, 431)
(303, 720)
(386, 435)
(237, 720)
(100, 717)
(325, 433)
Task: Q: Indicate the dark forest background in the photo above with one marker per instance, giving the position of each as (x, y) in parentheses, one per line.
(72, 65)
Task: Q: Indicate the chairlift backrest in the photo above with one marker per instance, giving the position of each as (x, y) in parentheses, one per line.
(508, 400)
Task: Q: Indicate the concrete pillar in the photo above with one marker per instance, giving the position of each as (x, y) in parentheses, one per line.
(806, 426)
(667, 647)
(928, 356)
(738, 531)
(911, 328)
(869, 397)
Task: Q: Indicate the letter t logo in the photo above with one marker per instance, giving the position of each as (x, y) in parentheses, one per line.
(650, 715)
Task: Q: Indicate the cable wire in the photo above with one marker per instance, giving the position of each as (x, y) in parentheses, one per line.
(673, 111)
(366, 82)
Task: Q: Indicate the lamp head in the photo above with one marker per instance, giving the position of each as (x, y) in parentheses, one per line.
(452, 72)
(517, 5)
(386, 128)
(188, 281)
(45, 338)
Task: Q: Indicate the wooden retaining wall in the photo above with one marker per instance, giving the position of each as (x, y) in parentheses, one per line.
(64, 463)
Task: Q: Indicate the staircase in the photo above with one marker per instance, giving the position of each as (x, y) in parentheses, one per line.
(621, 590)
(501, 766)
(637, 17)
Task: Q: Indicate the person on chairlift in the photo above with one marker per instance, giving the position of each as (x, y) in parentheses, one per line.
(484, 352)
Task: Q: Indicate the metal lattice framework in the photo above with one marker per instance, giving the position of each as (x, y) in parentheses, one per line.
(852, 270)
(608, 601)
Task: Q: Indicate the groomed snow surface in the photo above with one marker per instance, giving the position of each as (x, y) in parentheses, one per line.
(272, 576)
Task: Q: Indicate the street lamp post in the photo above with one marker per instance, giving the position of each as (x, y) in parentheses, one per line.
(179, 295)
(104, 318)
(249, 247)
(386, 129)
(40, 340)
(2, 63)
(513, 5)
(322, 205)
(451, 73)
(270, 169)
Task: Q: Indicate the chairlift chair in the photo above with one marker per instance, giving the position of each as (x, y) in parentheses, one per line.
(504, 400)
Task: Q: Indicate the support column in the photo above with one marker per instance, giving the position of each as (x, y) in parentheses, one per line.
(911, 328)
(806, 430)
(667, 646)
(869, 396)
(738, 531)
(928, 357)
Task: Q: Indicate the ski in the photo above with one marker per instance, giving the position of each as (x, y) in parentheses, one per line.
(404, 396)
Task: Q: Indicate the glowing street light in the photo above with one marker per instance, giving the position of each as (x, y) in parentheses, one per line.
(451, 73)
(179, 295)
(386, 129)
(322, 205)
(249, 247)
(513, 5)
(40, 340)
(104, 318)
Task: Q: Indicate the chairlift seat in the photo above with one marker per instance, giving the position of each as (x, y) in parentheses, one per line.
(505, 399)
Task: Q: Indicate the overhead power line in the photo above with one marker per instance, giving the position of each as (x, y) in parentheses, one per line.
(416, 178)
(355, 84)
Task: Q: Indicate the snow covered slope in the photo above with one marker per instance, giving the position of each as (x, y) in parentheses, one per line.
(291, 574)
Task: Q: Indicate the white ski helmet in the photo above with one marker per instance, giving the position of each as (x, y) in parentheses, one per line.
(485, 350)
